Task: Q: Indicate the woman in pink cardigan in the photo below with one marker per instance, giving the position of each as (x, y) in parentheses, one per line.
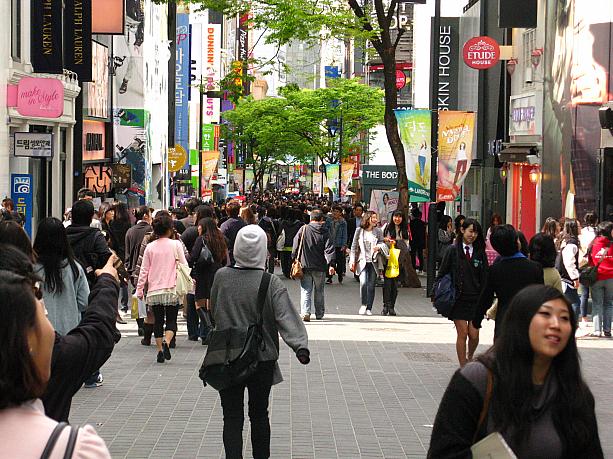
(25, 369)
(157, 282)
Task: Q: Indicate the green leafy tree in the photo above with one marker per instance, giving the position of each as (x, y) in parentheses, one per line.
(314, 20)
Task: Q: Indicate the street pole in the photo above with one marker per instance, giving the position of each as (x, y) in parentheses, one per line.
(432, 215)
(340, 156)
(199, 140)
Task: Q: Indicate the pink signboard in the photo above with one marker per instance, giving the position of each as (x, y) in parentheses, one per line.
(38, 97)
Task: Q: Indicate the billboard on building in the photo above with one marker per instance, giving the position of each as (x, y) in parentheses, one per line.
(77, 27)
(212, 62)
(46, 36)
(108, 16)
(96, 100)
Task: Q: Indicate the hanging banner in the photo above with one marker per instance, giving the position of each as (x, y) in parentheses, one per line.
(249, 179)
(317, 178)
(182, 82)
(414, 128)
(78, 38)
(346, 175)
(212, 64)
(209, 165)
(455, 144)
(208, 137)
(46, 36)
(332, 177)
(211, 112)
(22, 196)
(384, 203)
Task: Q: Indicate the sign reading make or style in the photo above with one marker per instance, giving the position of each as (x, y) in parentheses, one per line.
(33, 145)
(37, 97)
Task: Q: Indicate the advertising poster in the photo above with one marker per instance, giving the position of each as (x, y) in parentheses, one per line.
(317, 179)
(209, 166)
(384, 203)
(455, 145)
(131, 144)
(238, 179)
(346, 175)
(21, 194)
(332, 177)
(249, 179)
(414, 128)
(97, 92)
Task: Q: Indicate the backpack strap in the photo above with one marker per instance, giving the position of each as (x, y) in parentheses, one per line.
(486, 403)
(53, 440)
(262, 292)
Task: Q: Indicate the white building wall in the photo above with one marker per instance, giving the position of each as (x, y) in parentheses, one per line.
(5, 58)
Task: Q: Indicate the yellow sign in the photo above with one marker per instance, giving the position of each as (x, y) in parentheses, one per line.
(177, 157)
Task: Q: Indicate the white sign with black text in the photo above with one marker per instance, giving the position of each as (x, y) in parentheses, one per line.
(33, 145)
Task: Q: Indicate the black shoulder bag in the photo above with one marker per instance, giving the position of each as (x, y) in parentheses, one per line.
(588, 275)
(232, 355)
(55, 435)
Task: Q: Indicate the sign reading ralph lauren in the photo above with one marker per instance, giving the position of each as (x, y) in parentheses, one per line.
(46, 36)
(78, 38)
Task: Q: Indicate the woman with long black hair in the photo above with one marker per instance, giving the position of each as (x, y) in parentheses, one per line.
(64, 286)
(537, 399)
(120, 225)
(567, 262)
(210, 237)
(396, 232)
(466, 261)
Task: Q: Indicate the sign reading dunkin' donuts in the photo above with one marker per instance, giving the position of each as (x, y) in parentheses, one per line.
(481, 53)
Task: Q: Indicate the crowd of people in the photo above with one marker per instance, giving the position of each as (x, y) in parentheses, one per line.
(80, 274)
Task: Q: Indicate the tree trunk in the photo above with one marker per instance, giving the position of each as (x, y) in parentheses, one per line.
(391, 125)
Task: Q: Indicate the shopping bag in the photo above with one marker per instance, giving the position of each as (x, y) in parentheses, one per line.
(134, 307)
(393, 265)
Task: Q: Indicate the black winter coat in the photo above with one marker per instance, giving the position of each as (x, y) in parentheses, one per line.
(84, 349)
(89, 248)
(317, 250)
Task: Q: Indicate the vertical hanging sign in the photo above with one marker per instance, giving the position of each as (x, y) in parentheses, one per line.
(242, 39)
(46, 36)
(78, 38)
(182, 82)
(21, 194)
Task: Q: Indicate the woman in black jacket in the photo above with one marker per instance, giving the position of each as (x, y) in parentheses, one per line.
(290, 227)
(527, 387)
(466, 261)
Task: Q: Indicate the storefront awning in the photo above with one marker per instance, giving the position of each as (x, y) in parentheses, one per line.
(517, 154)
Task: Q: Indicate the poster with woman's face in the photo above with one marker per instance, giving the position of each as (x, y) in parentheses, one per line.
(581, 59)
(384, 203)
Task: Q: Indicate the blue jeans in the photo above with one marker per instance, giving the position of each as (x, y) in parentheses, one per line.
(573, 298)
(368, 277)
(602, 305)
(584, 295)
(312, 286)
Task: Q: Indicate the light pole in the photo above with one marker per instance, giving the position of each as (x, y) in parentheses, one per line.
(432, 214)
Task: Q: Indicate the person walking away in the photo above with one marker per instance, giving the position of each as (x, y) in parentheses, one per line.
(567, 262)
(270, 228)
(527, 387)
(586, 237)
(313, 248)
(511, 273)
(542, 250)
(338, 236)
(289, 227)
(211, 238)
(466, 261)
(367, 243)
(191, 206)
(119, 227)
(106, 212)
(158, 274)
(64, 285)
(601, 252)
(446, 236)
(418, 243)
(234, 307)
(133, 240)
(231, 226)
(189, 237)
(28, 339)
(489, 250)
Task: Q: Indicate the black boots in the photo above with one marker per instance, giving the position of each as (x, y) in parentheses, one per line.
(392, 312)
(385, 310)
(147, 332)
(141, 330)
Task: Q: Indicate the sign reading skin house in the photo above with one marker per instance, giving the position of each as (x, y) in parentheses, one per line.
(33, 145)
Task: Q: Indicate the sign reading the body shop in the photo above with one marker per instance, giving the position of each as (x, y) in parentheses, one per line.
(33, 145)
(481, 53)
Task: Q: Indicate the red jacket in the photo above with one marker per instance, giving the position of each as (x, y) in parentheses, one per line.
(601, 247)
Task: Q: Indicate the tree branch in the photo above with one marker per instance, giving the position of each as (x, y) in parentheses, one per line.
(366, 25)
(400, 34)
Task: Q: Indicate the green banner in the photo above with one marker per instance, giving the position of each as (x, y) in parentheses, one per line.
(414, 127)
(208, 137)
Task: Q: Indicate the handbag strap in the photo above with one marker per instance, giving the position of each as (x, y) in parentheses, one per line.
(53, 440)
(72, 441)
(264, 283)
(486, 403)
(301, 241)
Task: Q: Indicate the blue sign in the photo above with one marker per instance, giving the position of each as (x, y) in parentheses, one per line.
(332, 71)
(21, 194)
(182, 82)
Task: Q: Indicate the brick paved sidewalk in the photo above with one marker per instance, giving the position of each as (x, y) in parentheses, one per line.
(371, 390)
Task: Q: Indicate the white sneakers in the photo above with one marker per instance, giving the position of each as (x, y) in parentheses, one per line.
(362, 310)
(368, 312)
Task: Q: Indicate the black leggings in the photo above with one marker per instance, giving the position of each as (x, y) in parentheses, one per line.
(160, 312)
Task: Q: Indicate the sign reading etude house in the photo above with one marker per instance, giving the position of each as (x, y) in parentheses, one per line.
(46, 36)
(33, 145)
(481, 53)
(78, 38)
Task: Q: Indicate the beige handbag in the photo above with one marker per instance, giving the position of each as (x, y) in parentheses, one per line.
(297, 273)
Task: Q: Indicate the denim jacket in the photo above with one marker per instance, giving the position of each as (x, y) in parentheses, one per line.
(338, 232)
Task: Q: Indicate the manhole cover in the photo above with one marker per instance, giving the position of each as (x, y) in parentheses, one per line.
(426, 357)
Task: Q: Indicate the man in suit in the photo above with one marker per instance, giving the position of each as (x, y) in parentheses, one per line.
(510, 273)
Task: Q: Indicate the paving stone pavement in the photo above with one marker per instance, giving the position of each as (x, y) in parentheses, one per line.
(371, 390)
